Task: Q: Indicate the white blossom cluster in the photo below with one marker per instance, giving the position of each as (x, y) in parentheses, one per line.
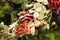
(45, 2)
(40, 12)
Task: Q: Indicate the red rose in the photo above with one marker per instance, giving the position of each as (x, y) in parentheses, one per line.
(22, 29)
(54, 4)
(22, 13)
(25, 18)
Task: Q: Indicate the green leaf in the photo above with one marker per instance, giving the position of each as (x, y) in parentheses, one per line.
(17, 1)
(1, 13)
(58, 19)
(7, 7)
(21, 1)
(12, 38)
(14, 16)
(23, 6)
(50, 36)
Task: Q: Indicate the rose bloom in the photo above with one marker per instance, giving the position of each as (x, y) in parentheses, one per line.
(22, 29)
(54, 4)
(25, 18)
(22, 13)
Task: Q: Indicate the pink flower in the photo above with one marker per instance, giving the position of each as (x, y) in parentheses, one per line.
(22, 13)
(54, 4)
(25, 18)
(22, 29)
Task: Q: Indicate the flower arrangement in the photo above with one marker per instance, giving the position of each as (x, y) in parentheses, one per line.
(36, 19)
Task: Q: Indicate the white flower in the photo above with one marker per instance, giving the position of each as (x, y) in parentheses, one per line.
(30, 24)
(47, 26)
(41, 16)
(40, 11)
(33, 30)
(53, 23)
(36, 14)
(47, 11)
(2, 23)
(45, 2)
(39, 0)
(28, 6)
(37, 23)
(31, 11)
(39, 7)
